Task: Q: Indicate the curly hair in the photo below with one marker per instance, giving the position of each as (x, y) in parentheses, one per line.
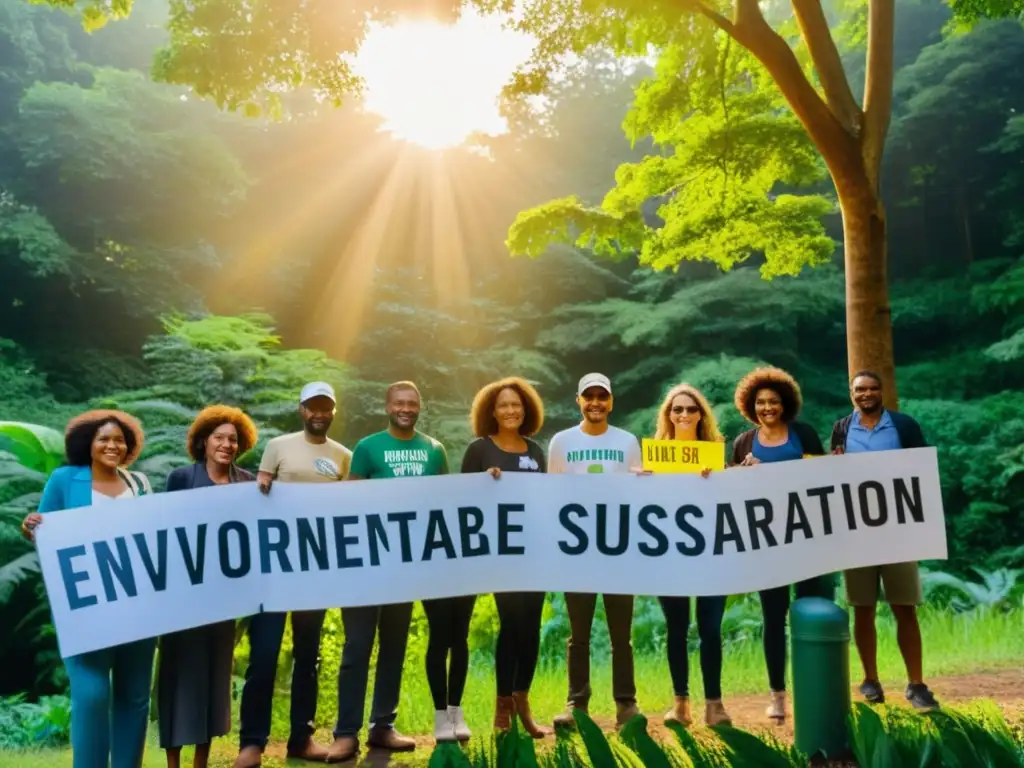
(481, 415)
(82, 429)
(707, 427)
(212, 417)
(779, 382)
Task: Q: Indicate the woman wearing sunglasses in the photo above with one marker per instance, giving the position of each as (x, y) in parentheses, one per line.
(686, 415)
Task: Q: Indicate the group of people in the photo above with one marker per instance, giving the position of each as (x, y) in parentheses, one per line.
(110, 688)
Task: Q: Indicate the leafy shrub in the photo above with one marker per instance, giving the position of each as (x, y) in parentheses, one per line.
(46, 723)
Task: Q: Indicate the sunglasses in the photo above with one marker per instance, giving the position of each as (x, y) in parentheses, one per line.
(690, 409)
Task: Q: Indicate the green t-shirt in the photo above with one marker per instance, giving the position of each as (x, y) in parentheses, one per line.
(383, 455)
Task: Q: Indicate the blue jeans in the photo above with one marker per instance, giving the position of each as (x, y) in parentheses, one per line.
(110, 704)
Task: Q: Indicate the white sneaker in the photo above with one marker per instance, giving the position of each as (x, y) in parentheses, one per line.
(443, 728)
(458, 720)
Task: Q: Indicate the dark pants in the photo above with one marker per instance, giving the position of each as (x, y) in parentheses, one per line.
(710, 611)
(515, 657)
(619, 613)
(774, 610)
(362, 625)
(265, 633)
(449, 633)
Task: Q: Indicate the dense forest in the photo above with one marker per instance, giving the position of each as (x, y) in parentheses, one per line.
(159, 255)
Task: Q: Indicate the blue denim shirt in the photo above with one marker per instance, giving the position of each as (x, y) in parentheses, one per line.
(884, 437)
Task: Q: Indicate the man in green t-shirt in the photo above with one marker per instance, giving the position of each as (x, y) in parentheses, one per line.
(398, 451)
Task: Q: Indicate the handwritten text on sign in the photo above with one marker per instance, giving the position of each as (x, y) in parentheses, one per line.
(166, 562)
(663, 456)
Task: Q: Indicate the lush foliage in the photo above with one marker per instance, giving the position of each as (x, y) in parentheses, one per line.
(159, 256)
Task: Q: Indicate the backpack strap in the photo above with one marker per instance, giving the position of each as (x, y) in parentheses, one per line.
(137, 481)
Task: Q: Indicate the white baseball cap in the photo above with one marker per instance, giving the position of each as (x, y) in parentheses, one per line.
(594, 380)
(317, 389)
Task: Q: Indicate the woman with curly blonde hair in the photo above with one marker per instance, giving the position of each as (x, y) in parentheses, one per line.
(770, 399)
(505, 415)
(109, 687)
(194, 678)
(685, 414)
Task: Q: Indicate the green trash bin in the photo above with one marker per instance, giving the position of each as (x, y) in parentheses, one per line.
(820, 638)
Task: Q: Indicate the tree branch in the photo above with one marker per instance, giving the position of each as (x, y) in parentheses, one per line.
(878, 86)
(825, 55)
(749, 29)
(711, 14)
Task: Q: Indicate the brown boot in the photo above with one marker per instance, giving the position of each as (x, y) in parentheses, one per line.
(625, 712)
(249, 757)
(715, 714)
(565, 719)
(680, 712)
(315, 753)
(390, 739)
(522, 703)
(504, 708)
(343, 749)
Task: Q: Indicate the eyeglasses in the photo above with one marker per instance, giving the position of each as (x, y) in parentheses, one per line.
(690, 409)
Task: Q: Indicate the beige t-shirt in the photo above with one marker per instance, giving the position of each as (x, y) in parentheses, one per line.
(293, 459)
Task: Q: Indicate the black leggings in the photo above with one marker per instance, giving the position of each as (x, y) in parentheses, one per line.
(709, 626)
(774, 610)
(518, 640)
(449, 619)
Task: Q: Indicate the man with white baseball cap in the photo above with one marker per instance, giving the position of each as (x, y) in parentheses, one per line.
(595, 447)
(308, 456)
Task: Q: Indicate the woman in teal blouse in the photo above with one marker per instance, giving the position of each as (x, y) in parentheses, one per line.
(109, 687)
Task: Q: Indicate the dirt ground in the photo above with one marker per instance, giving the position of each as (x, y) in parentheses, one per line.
(1005, 687)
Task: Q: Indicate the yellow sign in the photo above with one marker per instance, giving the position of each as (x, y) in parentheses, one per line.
(665, 456)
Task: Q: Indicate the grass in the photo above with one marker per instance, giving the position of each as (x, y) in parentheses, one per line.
(954, 644)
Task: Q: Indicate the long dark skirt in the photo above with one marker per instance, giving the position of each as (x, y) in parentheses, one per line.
(194, 685)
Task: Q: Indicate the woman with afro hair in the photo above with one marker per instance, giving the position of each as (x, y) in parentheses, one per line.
(770, 399)
(194, 678)
(505, 416)
(109, 687)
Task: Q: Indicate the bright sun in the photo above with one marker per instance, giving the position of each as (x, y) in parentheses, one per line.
(435, 84)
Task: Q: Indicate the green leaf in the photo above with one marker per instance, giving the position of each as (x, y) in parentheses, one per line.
(37, 447)
(635, 736)
(744, 750)
(598, 749)
(15, 572)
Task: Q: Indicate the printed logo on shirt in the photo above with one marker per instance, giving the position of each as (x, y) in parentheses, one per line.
(327, 468)
(407, 462)
(596, 454)
(595, 469)
(528, 462)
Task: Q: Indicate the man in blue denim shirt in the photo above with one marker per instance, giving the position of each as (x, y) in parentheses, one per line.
(871, 427)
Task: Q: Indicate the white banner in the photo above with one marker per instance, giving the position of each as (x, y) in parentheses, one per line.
(140, 568)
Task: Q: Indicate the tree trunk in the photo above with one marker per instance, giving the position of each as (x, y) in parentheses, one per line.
(868, 317)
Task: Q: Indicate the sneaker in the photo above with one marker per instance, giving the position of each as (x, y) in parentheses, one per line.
(777, 709)
(872, 692)
(920, 697)
(444, 729)
(458, 718)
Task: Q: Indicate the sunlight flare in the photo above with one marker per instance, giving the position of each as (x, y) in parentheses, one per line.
(436, 84)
